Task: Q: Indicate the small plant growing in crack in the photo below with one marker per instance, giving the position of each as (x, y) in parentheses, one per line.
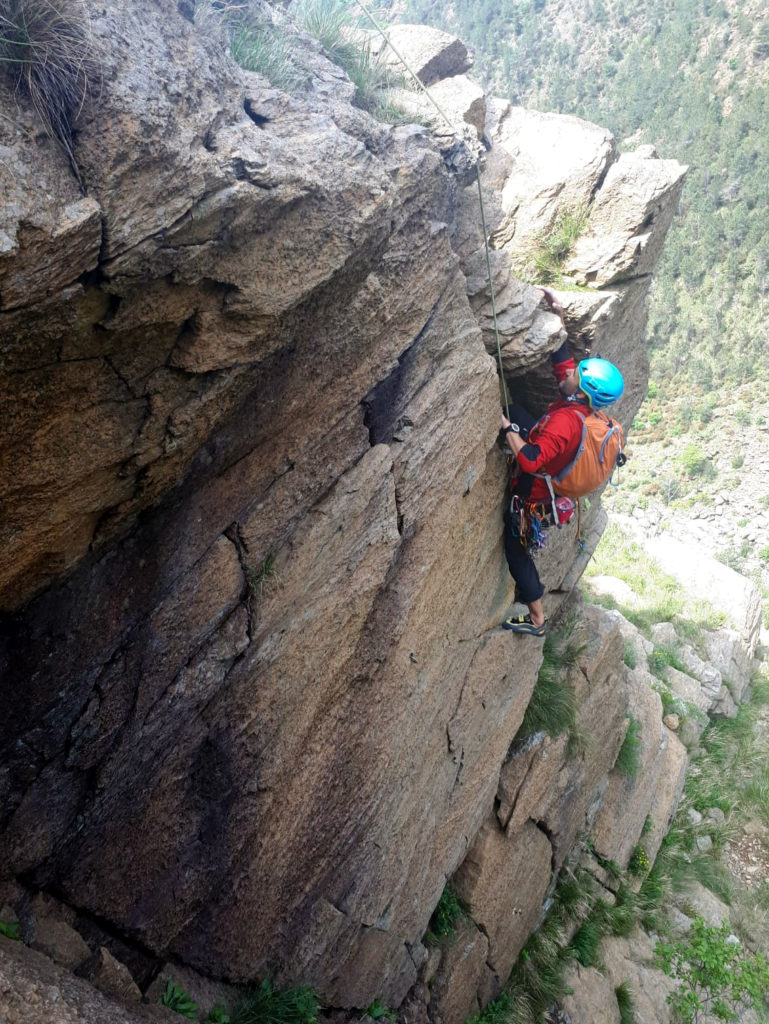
(218, 1015)
(379, 1011)
(445, 917)
(263, 579)
(10, 929)
(176, 999)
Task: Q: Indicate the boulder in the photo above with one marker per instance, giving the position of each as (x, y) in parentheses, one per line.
(454, 988)
(556, 782)
(664, 634)
(701, 902)
(503, 881)
(462, 100)
(557, 162)
(727, 653)
(34, 989)
(671, 778)
(591, 998)
(60, 942)
(687, 688)
(430, 53)
(527, 778)
(459, 98)
(723, 705)
(111, 977)
(631, 961)
(736, 597)
(627, 800)
(629, 219)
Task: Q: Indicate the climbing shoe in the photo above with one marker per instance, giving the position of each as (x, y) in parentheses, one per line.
(523, 624)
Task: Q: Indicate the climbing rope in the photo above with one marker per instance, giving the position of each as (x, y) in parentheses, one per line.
(455, 131)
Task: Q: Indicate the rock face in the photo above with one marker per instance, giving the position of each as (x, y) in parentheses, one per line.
(33, 989)
(256, 700)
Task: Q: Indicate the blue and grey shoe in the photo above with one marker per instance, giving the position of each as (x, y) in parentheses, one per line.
(523, 624)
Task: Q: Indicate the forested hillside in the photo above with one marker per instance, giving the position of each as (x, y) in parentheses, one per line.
(689, 76)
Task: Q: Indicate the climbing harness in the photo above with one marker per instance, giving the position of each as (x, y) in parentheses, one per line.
(454, 130)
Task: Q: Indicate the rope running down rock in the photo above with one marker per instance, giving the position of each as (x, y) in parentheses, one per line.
(455, 131)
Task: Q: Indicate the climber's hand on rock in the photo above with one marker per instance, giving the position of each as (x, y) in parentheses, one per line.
(553, 302)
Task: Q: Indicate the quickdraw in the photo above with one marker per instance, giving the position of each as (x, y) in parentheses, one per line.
(530, 521)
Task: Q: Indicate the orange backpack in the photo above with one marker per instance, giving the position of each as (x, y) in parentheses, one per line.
(599, 452)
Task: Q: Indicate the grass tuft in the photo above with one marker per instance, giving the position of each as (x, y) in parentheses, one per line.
(628, 761)
(263, 578)
(268, 1005)
(258, 46)
(553, 705)
(626, 1003)
(554, 246)
(586, 944)
(333, 25)
(47, 49)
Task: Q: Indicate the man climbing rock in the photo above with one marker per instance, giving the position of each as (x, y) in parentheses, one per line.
(547, 446)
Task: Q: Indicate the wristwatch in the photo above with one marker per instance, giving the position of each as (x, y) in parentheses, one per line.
(512, 427)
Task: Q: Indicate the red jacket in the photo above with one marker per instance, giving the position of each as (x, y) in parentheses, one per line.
(551, 445)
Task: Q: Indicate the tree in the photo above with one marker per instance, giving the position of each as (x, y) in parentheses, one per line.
(716, 974)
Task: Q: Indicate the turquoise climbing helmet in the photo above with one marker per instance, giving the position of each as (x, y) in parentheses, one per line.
(601, 381)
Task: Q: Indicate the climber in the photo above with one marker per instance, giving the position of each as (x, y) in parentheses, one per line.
(547, 446)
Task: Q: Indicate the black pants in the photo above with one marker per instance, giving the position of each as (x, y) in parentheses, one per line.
(528, 586)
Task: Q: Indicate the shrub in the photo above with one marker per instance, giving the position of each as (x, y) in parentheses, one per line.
(715, 974)
(10, 929)
(694, 460)
(218, 1015)
(639, 861)
(379, 1011)
(46, 47)
(705, 411)
(742, 416)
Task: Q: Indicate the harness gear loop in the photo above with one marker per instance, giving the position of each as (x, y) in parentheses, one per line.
(455, 131)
